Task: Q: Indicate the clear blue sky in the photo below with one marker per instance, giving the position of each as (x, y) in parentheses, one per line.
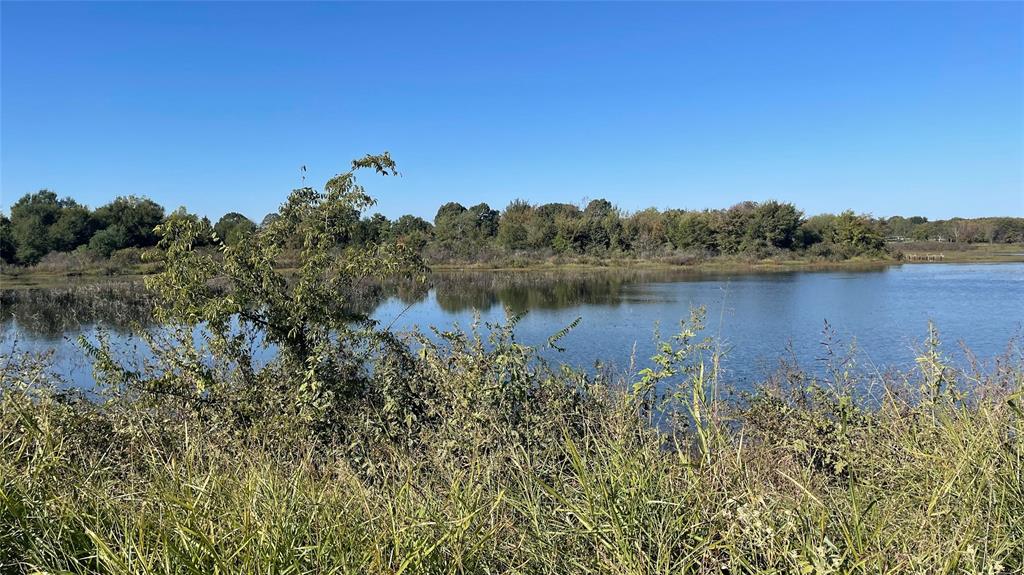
(908, 109)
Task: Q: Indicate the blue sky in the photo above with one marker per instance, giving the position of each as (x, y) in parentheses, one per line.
(913, 108)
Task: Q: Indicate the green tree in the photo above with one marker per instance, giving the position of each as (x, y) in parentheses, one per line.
(513, 228)
(858, 233)
(233, 227)
(31, 218)
(412, 231)
(598, 208)
(448, 221)
(602, 228)
(694, 231)
(372, 230)
(126, 222)
(898, 226)
(73, 228)
(108, 240)
(459, 231)
(732, 226)
(1007, 230)
(772, 224)
(484, 220)
(645, 231)
(7, 247)
(818, 228)
(269, 219)
(554, 226)
(204, 234)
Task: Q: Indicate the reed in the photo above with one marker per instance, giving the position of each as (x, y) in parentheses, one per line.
(504, 466)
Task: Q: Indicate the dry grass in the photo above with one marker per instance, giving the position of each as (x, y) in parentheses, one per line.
(803, 476)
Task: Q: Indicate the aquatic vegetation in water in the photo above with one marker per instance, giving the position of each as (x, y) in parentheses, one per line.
(52, 312)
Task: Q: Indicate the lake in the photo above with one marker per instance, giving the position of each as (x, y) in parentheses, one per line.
(759, 317)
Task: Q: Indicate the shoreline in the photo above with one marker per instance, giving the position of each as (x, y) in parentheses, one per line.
(1013, 255)
(975, 254)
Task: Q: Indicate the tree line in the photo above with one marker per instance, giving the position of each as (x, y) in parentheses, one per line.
(42, 223)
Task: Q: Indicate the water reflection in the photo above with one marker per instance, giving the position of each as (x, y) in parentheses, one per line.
(883, 310)
(49, 313)
(759, 316)
(521, 291)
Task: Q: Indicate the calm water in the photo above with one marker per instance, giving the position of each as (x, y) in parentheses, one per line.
(759, 317)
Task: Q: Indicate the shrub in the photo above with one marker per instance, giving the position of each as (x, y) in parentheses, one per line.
(74, 262)
(126, 259)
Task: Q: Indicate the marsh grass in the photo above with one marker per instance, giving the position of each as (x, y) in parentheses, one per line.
(489, 462)
(51, 312)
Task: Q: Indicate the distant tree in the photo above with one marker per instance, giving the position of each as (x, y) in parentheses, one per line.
(598, 208)
(602, 228)
(7, 247)
(513, 227)
(233, 227)
(372, 230)
(930, 231)
(484, 220)
(964, 230)
(207, 237)
(694, 231)
(412, 231)
(347, 224)
(554, 226)
(409, 224)
(41, 223)
(1007, 230)
(108, 240)
(269, 219)
(461, 232)
(448, 219)
(857, 233)
(818, 228)
(450, 228)
(732, 225)
(772, 224)
(126, 222)
(898, 226)
(73, 228)
(32, 218)
(202, 225)
(646, 231)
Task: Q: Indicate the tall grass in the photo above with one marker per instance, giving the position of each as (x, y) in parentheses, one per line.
(507, 467)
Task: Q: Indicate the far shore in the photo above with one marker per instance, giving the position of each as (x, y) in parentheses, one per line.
(22, 278)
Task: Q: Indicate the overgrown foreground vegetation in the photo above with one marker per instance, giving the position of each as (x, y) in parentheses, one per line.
(352, 450)
(486, 462)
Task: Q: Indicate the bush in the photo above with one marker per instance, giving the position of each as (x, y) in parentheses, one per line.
(126, 259)
(107, 241)
(74, 262)
(827, 251)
